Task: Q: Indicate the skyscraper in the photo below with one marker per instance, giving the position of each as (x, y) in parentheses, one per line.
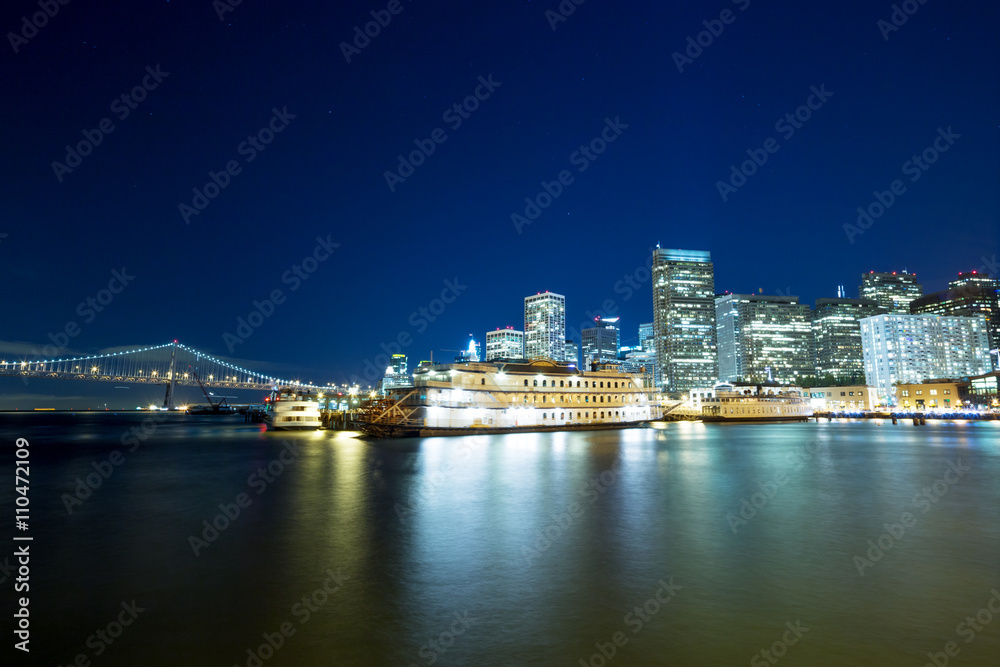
(914, 348)
(684, 319)
(837, 337)
(647, 341)
(763, 337)
(545, 326)
(893, 292)
(971, 295)
(504, 344)
(571, 355)
(602, 341)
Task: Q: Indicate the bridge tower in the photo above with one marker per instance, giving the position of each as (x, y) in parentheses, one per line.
(168, 400)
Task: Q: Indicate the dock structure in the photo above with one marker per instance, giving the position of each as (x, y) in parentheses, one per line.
(919, 418)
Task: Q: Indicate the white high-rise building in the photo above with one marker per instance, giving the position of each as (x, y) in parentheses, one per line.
(504, 344)
(545, 326)
(914, 348)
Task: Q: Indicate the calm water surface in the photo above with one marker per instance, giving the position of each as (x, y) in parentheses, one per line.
(528, 549)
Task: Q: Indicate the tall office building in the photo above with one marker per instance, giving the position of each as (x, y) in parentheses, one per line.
(571, 354)
(764, 337)
(837, 337)
(504, 344)
(641, 362)
(545, 326)
(914, 348)
(396, 375)
(893, 292)
(972, 295)
(647, 341)
(602, 341)
(684, 319)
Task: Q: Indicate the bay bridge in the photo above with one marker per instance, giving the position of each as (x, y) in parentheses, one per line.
(169, 364)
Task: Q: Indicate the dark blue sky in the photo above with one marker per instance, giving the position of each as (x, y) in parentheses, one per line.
(323, 175)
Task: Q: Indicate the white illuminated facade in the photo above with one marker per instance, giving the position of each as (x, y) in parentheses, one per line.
(536, 395)
(504, 344)
(545, 326)
(913, 348)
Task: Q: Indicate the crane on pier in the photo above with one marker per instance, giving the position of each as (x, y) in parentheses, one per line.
(220, 408)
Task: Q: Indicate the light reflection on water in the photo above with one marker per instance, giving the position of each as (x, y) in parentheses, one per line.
(548, 540)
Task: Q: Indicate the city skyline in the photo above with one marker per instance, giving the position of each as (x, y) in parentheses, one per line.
(624, 333)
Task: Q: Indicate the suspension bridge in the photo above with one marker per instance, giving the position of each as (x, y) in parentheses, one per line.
(170, 364)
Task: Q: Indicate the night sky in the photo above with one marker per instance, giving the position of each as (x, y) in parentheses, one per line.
(392, 244)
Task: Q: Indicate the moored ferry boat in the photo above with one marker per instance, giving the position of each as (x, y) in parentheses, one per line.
(290, 409)
(509, 396)
(755, 403)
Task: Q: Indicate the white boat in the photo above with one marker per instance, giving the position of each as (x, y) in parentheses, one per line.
(756, 403)
(291, 409)
(509, 397)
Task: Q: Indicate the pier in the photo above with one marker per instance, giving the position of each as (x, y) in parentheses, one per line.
(918, 418)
